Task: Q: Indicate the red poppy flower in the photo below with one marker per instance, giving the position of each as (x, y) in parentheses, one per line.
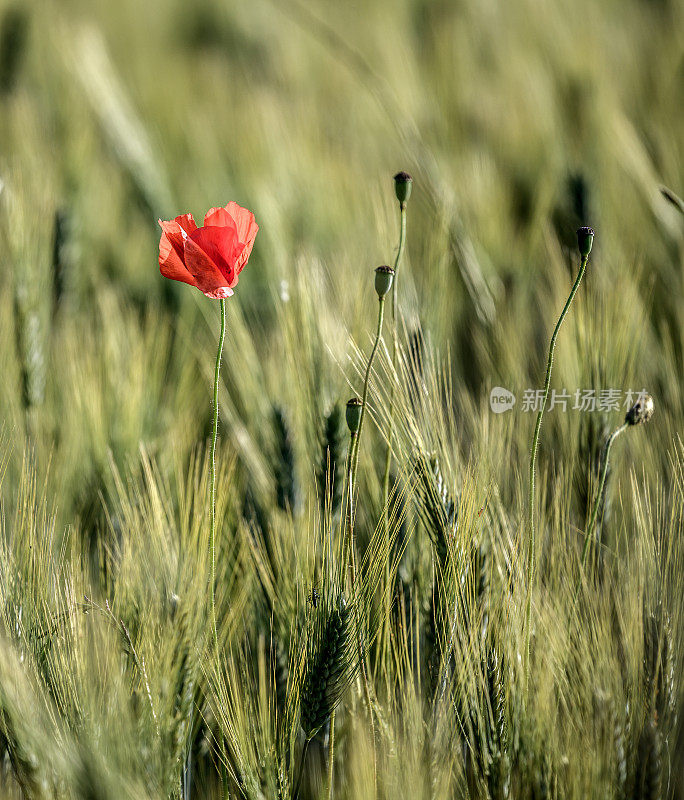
(210, 257)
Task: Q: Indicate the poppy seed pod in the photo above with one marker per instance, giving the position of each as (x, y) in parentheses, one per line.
(585, 239)
(641, 411)
(383, 280)
(354, 407)
(402, 186)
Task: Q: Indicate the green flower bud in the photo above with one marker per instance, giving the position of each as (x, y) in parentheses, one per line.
(641, 411)
(384, 276)
(585, 239)
(354, 415)
(402, 186)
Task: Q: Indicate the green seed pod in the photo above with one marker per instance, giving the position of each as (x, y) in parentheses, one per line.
(354, 407)
(402, 186)
(585, 239)
(641, 411)
(384, 276)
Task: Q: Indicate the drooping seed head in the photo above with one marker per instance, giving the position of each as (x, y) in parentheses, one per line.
(641, 411)
(585, 239)
(403, 183)
(354, 407)
(384, 276)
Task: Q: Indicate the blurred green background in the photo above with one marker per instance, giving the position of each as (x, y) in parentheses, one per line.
(519, 121)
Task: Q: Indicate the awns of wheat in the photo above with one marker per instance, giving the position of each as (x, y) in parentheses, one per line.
(438, 512)
(436, 507)
(331, 662)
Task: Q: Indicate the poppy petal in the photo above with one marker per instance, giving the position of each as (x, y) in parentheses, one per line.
(242, 217)
(244, 255)
(246, 228)
(187, 222)
(210, 256)
(217, 217)
(245, 222)
(171, 264)
(220, 244)
(177, 230)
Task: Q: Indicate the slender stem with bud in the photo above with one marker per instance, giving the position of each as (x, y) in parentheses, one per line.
(599, 497)
(640, 413)
(354, 462)
(533, 461)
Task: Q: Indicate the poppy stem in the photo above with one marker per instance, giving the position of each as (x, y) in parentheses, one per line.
(214, 434)
(354, 463)
(599, 497)
(301, 770)
(533, 462)
(331, 757)
(364, 397)
(395, 348)
(349, 506)
(390, 425)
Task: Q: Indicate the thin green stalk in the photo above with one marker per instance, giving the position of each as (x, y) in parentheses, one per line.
(352, 485)
(395, 348)
(301, 770)
(604, 472)
(364, 396)
(331, 755)
(349, 562)
(349, 510)
(349, 565)
(390, 426)
(533, 461)
(212, 531)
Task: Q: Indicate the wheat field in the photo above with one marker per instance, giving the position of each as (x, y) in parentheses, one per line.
(386, 625)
